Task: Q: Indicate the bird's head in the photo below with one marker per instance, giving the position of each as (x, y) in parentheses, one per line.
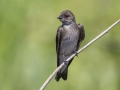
(67, 17)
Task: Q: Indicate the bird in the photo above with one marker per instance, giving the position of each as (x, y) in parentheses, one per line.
(68, 39)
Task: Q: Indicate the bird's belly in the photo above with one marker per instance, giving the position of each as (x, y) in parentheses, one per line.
(69, 45)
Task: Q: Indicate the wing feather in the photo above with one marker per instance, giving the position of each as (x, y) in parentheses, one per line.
(58, 42)
(81, 35)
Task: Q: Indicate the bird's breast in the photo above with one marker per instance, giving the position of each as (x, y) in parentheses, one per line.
(71, 33)
(69, 40)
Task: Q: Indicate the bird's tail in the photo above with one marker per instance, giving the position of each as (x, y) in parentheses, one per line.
(64, 71)
(62, 74)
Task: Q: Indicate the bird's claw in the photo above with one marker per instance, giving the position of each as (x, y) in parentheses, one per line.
(76, 54)
(66, 62)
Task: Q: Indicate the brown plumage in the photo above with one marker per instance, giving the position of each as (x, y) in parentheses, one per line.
(68, 39)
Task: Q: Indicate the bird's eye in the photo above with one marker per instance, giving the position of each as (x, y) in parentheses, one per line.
(66, 15)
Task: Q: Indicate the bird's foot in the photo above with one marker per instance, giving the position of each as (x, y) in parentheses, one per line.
(76, 53)
(65, 62)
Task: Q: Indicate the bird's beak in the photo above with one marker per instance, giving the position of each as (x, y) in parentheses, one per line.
(59, 17)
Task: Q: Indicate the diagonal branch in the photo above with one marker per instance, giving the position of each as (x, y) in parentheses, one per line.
(80, 50)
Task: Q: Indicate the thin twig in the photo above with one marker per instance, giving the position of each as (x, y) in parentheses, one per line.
(80, 50)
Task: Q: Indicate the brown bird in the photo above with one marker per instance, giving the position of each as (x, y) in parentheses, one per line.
(68, 39)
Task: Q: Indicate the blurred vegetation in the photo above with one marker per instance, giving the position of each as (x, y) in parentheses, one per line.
(27, 45)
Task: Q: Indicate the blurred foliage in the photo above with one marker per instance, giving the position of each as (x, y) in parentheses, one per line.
(27, 45)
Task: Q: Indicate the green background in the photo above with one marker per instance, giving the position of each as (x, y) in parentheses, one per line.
(27, 45)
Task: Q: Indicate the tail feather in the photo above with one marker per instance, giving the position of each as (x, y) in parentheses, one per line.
(58, 76)
(64, 74)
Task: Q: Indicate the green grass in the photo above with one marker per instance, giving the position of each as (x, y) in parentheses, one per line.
(27, 45)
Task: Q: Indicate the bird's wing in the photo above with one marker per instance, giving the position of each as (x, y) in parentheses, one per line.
(58, 42)
(81, 35)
